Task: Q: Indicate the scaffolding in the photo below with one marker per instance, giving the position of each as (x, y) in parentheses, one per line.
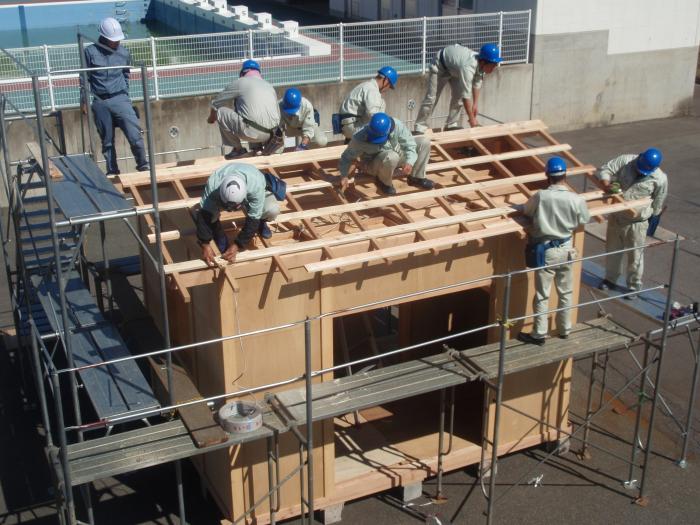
(53, 309)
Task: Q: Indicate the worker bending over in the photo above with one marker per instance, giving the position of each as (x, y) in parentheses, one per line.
(299, 120)
(111, 105)
(233, 187)
(636, 176)
(464, 70)
(364, 101)
(555, 213)
(246, 110)
(382, 146)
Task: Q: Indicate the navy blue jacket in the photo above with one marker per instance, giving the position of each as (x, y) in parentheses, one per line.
(110, 81)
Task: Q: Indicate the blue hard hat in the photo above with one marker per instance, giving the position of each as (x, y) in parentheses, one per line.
(291, 102)
(390, 74)
(490, 53)
(249, 64)
(379, 127)
(556, 167)
(648, 161)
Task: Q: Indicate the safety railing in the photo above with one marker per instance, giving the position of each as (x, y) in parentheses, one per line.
(203, 64)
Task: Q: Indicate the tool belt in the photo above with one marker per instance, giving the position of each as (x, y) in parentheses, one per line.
(337, 121)
(535, 253)
(257, 126)
(275, 185)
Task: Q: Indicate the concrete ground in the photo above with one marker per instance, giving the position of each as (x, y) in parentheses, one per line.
(571, 490)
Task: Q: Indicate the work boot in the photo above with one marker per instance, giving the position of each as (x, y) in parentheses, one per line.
(386, 189)
(145, 167)
(631, 297)
(530, 339)
(235, 153)
(607, 285)
(563, 336)
(423, 183)
(264, 230)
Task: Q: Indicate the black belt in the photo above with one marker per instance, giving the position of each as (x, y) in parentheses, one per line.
(441, 58)
(111, 95)
(257, 126)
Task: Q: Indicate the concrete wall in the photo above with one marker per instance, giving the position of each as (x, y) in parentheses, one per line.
(604, 62)
(181, 123)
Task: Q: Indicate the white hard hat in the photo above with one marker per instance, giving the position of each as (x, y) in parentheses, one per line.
(111, 30)
(232, 190)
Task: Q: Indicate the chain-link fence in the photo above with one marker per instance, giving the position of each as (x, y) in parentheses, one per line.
(203, 64)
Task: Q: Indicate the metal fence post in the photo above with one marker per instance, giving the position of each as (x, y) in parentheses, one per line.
(425, 45)
(529, 36)
(342, 52)
(500, 32)
(250, 43)
(308, 368)
(48, 77)
(154, 60)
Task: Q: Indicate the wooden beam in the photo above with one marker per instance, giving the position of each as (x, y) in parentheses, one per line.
(405, 249)
(485, 159)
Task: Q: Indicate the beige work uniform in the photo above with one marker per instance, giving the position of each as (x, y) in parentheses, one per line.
(460, 67)
(555, 212)
(361, 103)
(625, 231)
(382, 159)
(302, 124)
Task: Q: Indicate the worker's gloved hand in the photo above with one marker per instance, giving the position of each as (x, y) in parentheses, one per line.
(301, 147)
(230, 254)
(208, 254)
(614, 188)
(344, 183)
(212, 116)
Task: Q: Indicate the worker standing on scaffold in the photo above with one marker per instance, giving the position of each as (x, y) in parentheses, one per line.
(555, 213)
(464, 70)
(111, 104)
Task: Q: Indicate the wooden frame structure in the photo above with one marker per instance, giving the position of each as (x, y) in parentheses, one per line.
(331, 252)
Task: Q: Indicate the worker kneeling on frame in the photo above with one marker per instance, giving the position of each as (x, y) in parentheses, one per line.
(237, 186)
(384, 146)
(555, 213)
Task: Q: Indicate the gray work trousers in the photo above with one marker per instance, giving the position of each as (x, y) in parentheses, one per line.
(118, 112)
(234, 129)
(437, 80)
(385, 162)
(562, 277)
(618, 237)
(271, 208)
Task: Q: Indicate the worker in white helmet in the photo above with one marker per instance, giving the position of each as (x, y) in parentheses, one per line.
(556, 212)
(246, 110)
(233, 187)
(635, 177)
(464, 69)
(111, 104)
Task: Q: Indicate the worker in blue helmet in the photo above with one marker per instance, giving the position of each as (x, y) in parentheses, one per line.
(363, 101)
(464, 70)
(555, 213)
(385, 148)
(298, 119)
(111, 105)
(635, 177)
(246, 111)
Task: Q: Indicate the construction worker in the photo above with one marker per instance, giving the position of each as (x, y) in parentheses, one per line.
(298, 120)
(253, 115)
(233, 187)
(636, 177)
(111, 105)
(364, 101)
(555, 213)
(383, 146)
(464, 70)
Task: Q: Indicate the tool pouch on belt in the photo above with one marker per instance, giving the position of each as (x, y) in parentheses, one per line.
(276, 186)
(337, 126)
(534, 255)
(317, 117)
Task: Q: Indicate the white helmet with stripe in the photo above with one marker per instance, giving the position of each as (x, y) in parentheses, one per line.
(232, 190)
